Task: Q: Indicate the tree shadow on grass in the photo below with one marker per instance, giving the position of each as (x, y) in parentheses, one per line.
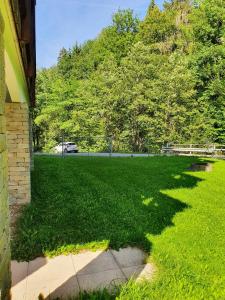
(80, 203)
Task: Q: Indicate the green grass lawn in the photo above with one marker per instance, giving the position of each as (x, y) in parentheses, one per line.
(176, 215)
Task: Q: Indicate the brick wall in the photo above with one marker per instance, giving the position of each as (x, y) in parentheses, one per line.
(18, 143)
(4, 213)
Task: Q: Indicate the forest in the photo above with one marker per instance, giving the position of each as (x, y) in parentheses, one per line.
(153, 81)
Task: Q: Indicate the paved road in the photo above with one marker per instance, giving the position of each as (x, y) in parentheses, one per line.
(92, 154)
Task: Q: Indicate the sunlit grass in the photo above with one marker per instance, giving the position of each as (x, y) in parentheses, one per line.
(176, 215)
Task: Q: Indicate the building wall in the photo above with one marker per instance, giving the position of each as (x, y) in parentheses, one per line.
(18, 144)
(4, 212)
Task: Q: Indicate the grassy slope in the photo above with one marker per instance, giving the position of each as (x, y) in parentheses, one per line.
(175, 215)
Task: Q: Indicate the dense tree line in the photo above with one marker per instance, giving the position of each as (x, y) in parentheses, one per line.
(159, 80)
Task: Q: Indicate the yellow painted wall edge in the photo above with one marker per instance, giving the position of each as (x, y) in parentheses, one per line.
(15, 75)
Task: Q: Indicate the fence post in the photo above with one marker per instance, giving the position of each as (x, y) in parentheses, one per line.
(62, 145)
(110, 146)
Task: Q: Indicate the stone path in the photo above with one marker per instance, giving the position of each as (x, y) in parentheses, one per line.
(64, 276)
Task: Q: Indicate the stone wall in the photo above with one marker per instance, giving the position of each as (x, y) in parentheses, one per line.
(18, 143)
(4, 212)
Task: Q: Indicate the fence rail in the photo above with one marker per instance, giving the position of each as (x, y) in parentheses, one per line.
(208, 149)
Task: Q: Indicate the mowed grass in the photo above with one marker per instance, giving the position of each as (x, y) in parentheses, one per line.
(155, 203)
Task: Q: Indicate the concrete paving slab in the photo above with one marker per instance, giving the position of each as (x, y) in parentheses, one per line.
(19, 271)
(106, 279)
(93, 262)
(19, 279)
(55, 274)
(129, 257)
(52, 289)
(59, 289)
(139, 272)
(36, 295)
(36, 264)
(65, 276)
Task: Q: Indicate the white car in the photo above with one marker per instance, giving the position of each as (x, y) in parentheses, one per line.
(66, 147)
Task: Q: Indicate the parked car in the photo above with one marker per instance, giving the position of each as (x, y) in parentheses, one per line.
(66, 147)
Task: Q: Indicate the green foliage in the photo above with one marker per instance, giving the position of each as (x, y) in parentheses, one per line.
(65, 63)
(208, 61)
(124, 22)
(119, 38)
(157, 26)
(153, 81)
(56, 101)
(209, 22)
(176, 215)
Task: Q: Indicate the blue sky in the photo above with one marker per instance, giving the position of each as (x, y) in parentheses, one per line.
(60, 23)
